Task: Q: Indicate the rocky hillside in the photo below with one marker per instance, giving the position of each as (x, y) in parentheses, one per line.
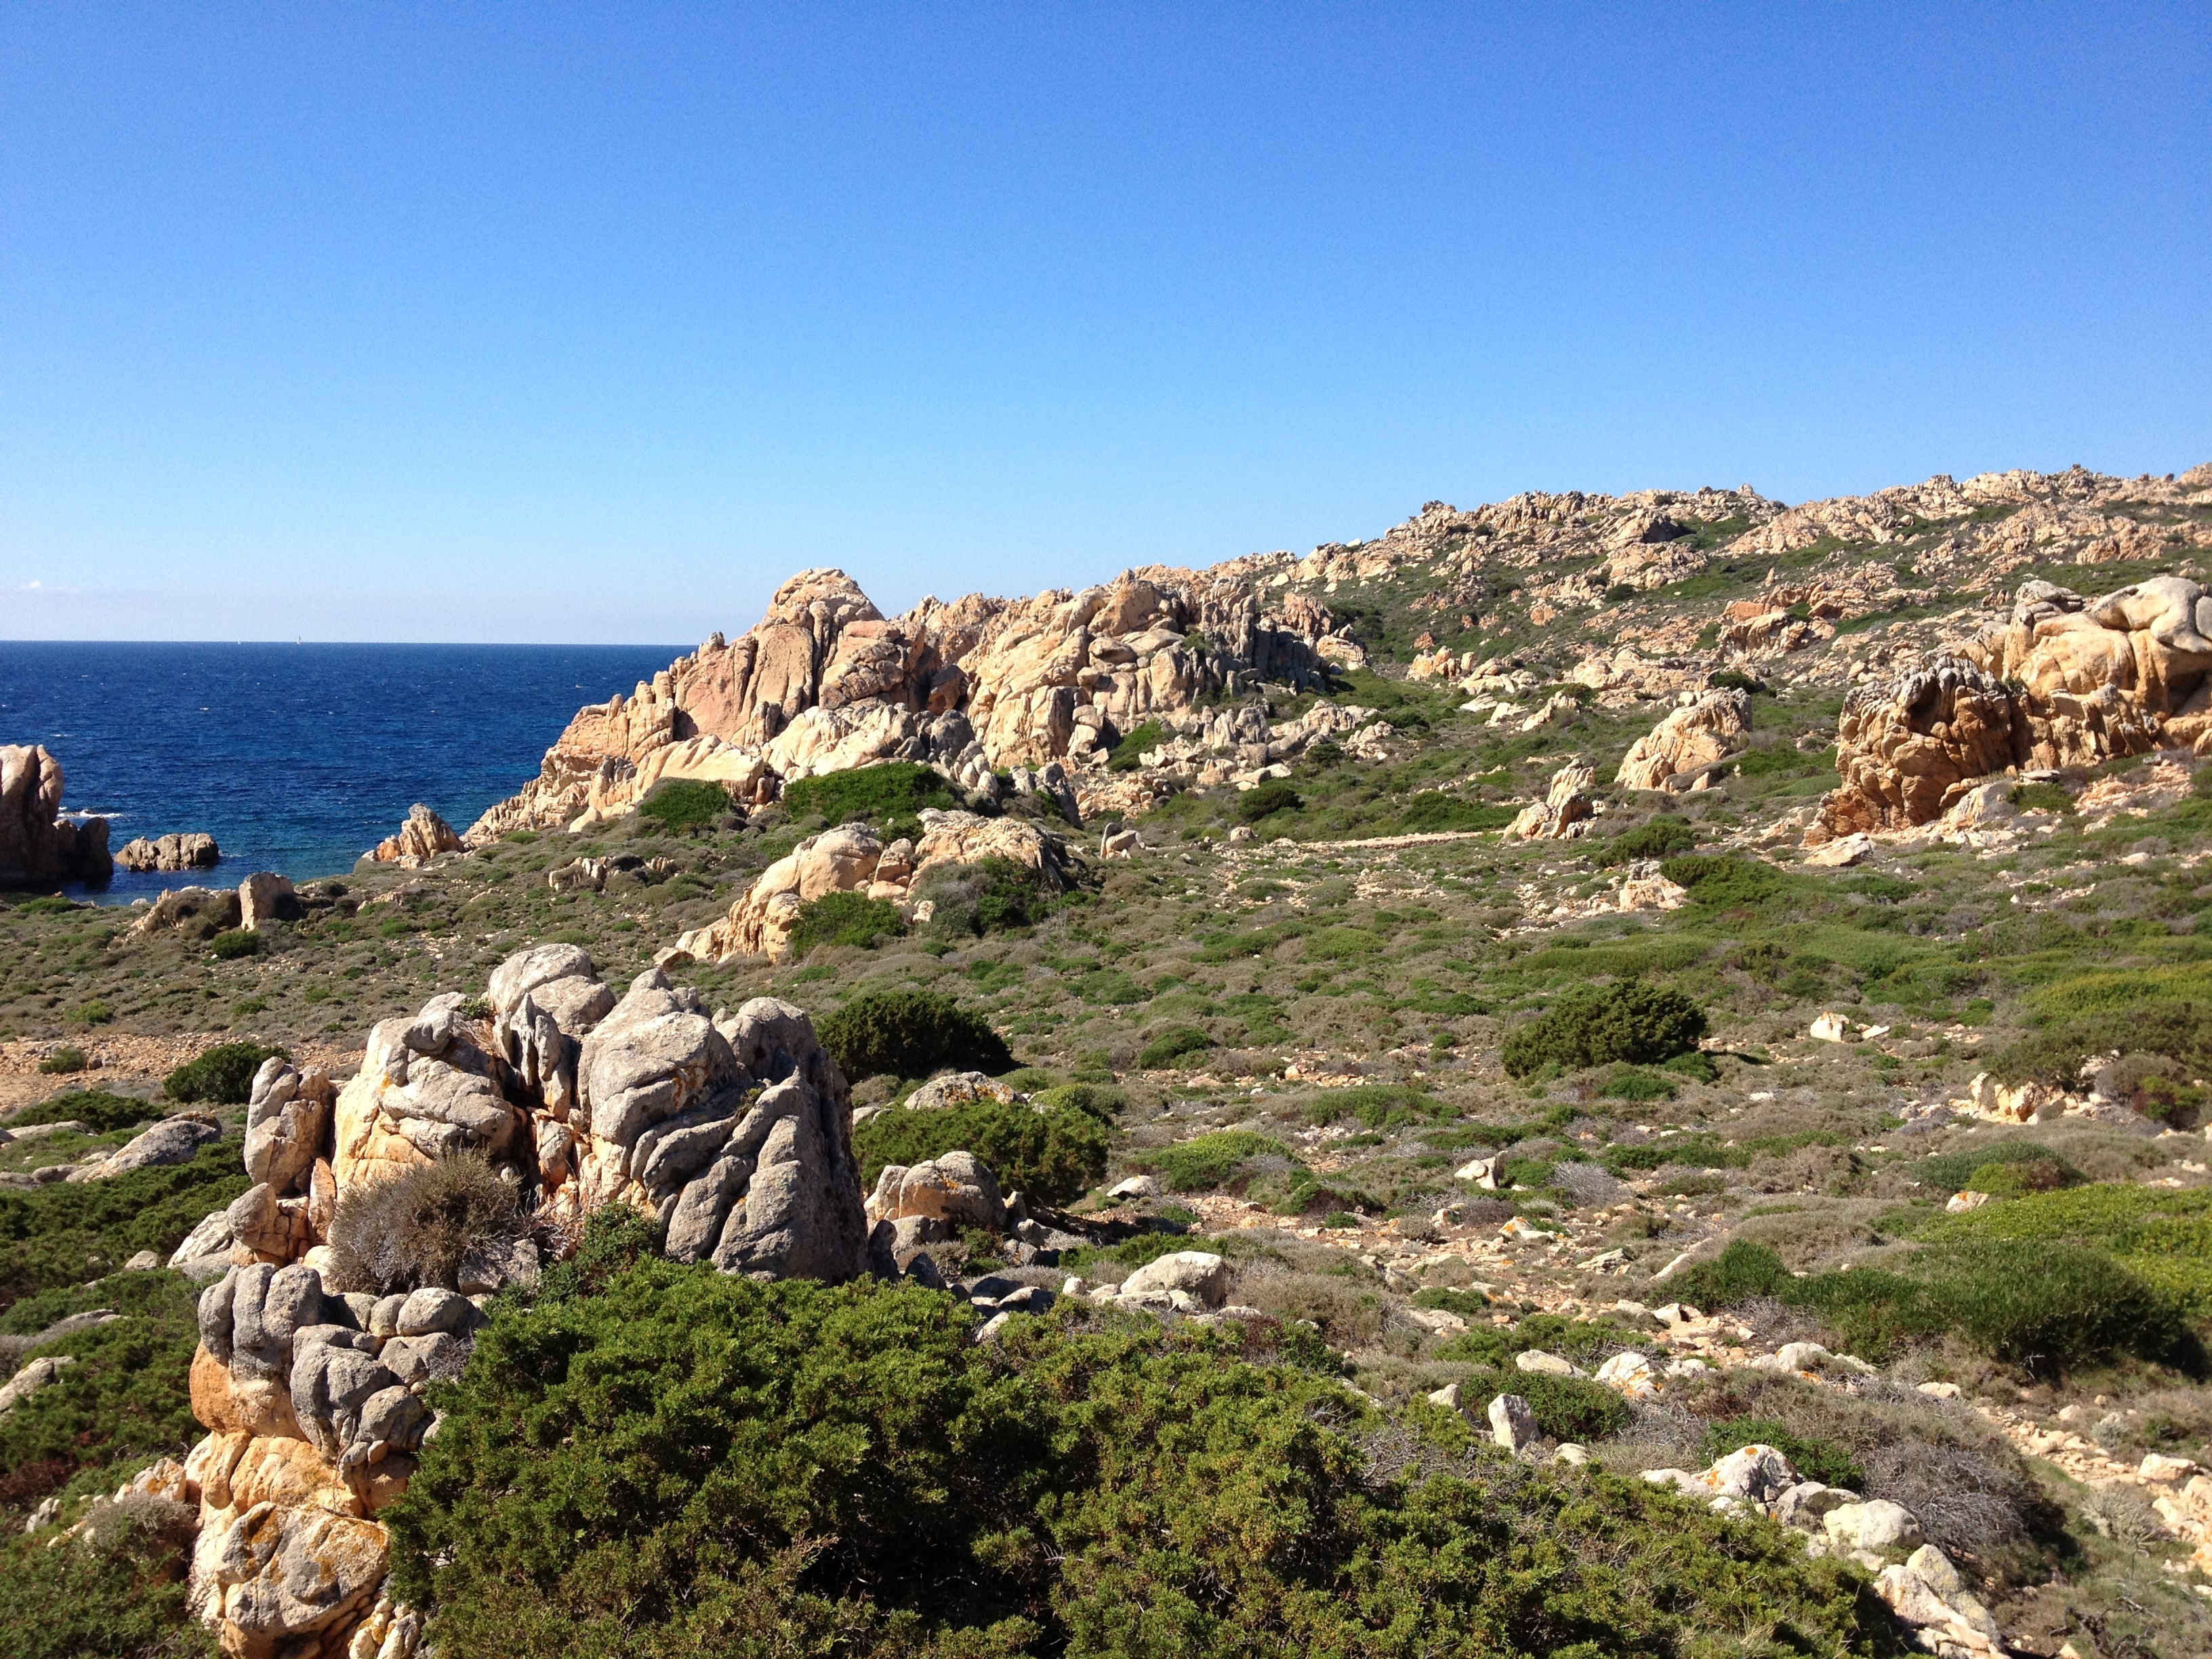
(1609, 1075)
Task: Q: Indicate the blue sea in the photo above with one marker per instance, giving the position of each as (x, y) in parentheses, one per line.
(297, 758)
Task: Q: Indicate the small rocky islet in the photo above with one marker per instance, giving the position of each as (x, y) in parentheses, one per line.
(1598, 1027)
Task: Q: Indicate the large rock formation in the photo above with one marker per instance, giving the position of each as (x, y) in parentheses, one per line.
(1686, 745)
(192, 851)
(824, 682)
(734, 1130)
(37, 844)
(423, 837)
(849, 859)
(2060, 682)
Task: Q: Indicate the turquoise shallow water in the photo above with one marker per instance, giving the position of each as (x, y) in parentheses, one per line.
(295, 758)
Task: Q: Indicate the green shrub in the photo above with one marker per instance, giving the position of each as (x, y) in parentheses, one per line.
(1467, 1305)
(1824, 1461)
(1432, 811)
(1660, 838)
(890, 797)
(2145, 1023)
(1566, 1407)
(2163, 1237)
(1126, 750)
(1723, 882)
(223, 1076)
(691, 1464)
(1342, 944)
(413, 1228)
(911, 1034)
(992, 896)
(1265, 800)
(851, 919)
(680, 803)
(1947, 1172)
(98, 1110)
(1210, 1161)
(1051, 1156)
(63, 1060)
(1377, 1105)
(1595, 1025)
(94, 1013)
(61, 1235)
(1102, 1103)
(1631, 1082)
(1164, 1047)
(2042, 798)
(234, 942)
(121, 1596)
(1587, 1342)
(127, 1396)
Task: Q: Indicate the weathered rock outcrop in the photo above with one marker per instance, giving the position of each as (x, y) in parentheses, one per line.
(1686, 745)
(1563, 812)
(423, 837)
(733, 1129)
(2061, 682)
(37, 844)
(194, 851)
(850, 859)
(824, 682)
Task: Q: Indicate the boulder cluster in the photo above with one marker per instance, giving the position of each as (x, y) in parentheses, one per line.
(731, 1130)
(825, 683)
(193, 851)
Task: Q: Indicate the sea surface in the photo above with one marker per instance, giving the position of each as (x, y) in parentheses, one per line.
(297, 758)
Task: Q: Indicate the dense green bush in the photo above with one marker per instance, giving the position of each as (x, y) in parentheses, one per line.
(223, 1076)
(2176, 1030)
(2162, 1237)
(121, 1595)
(128, 1394)
(1433, 811)
(1814, 1459)
(63, 1060)
(2044, 1311)
(1126, 750)
(234, 943)
(890, 797)
(1265, 800)
(1660, 838)
(97, 1110)
(64, 1234)
(1597, 1026)
(911, 1034)
(692, 1463)
(992, 895)
(1210, 1161)
(681, 804)
(1100, 1103)
(414, 1228)
(1725, 882)
(1947, 1172)
(1166, 1045)
(851, 919)
(1051, 1156)
(1377, 1105)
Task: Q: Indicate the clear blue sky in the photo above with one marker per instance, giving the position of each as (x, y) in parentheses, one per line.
(541, 322)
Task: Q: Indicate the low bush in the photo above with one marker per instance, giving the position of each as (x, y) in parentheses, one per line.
(63, 1060)
(1948, 1172)
(1265, 800)
(1660, 838)
(2041, 798)
(2044, 1312)
(120, 1595)
(890, 797)
(1051, 1156)
(852, 919)
(1634, 1082)
(691, 1464)
(223, 1076)
(235, 942)
(1433, 811)
(911, 1034)
(414, 1229)
(94, 1013)
(1165, 1046)
(2163, 1237)
(98, 1110)
(57, 1235)
(677, 804)
(1724, 883)
(1210, 1161)
(1102, 1103)
(126, 1396)
(1126, 750)
(1597, 1026)
(992, 896)
(1377, 1105)
(1823, 1460)
(2176, 1029)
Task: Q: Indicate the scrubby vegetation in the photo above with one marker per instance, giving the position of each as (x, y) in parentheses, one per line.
(1597, 1026)
(417, 1226)
(890, 797)
(852, 919)
(910, 1034)
(685, 804)
(223, 1076)
(1051, 1155)
(1065, 1490)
